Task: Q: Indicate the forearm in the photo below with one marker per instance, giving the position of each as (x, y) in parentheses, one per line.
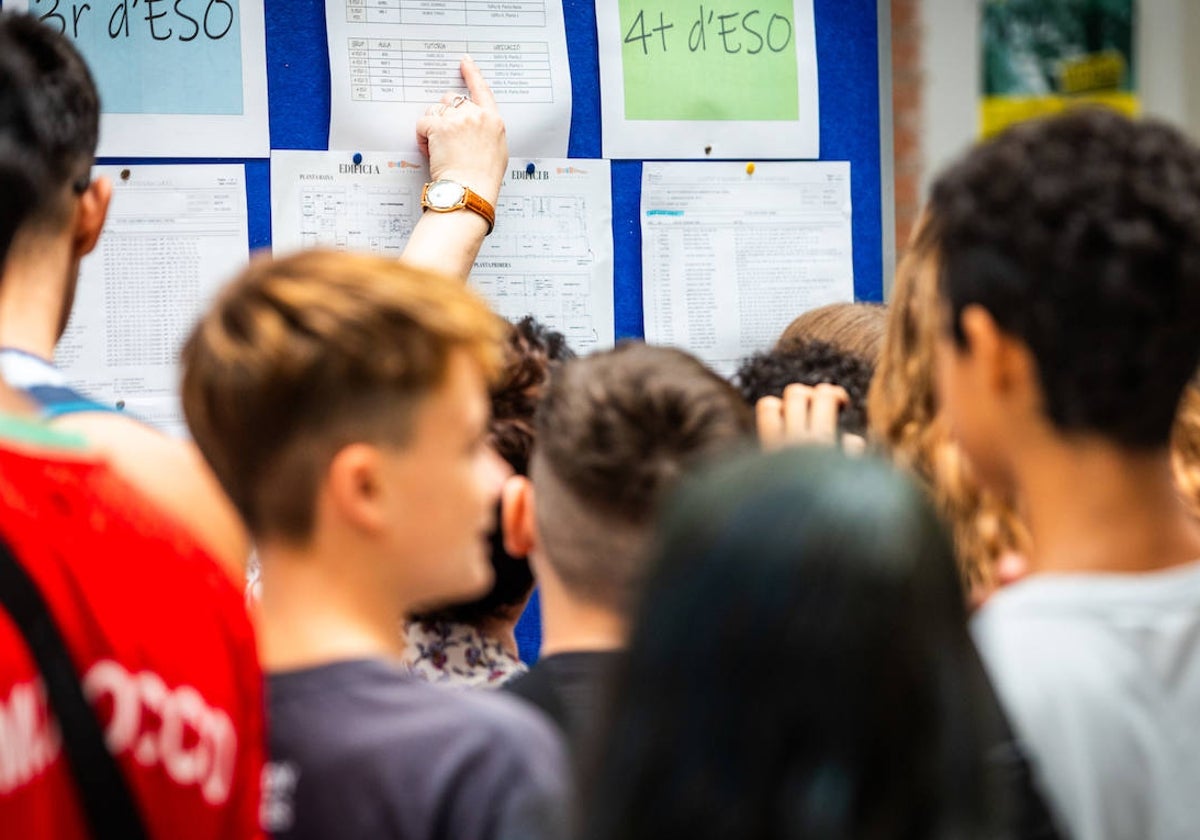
(464, 138)
(446, 242)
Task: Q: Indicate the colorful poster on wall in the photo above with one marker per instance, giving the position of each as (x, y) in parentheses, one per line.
(1042, 56)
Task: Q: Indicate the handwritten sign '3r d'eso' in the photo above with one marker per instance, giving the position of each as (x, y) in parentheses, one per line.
(177, 78)
(156, 56)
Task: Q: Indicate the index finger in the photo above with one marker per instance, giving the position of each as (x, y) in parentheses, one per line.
(481, 92)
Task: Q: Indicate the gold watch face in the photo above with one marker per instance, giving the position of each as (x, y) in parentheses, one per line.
(443, 195)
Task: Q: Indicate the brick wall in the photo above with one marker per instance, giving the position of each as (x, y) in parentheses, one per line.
(906, 113)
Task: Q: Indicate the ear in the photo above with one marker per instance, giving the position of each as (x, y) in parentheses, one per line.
(90, 213)
(1006, 361)
(983, 343)
(517, 519)
(356, 488)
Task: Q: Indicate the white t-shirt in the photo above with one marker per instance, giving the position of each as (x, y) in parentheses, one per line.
(1100, 674)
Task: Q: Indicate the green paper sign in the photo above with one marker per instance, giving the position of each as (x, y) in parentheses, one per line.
(726, 60)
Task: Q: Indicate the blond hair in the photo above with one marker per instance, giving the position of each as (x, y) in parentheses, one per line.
(904, 416)
(854, 328)
(301, 356)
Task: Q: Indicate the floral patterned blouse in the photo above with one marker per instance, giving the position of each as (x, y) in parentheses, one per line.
(457, 654)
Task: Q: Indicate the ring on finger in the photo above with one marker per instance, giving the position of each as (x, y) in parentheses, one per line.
(459, 100)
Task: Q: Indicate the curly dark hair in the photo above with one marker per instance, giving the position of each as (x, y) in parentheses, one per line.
(766, 374)
(532, 353)
(1080, 235)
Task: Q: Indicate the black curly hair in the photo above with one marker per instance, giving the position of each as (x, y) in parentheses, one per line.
(532, 353)
(766, 374)
(1080, 235)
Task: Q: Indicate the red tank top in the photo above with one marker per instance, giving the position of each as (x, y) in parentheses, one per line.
(161, 638)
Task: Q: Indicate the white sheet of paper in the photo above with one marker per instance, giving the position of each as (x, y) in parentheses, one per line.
(735, 83)
(183, 79)
(730, 258)
(175, 234)
(390, 59)
(550, 256)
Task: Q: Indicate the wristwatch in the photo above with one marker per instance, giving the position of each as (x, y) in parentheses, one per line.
(445, 196)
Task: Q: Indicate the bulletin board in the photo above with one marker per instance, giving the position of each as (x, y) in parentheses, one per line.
(850, 57)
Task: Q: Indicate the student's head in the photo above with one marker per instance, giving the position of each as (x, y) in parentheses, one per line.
(799, 665)
(532, 353)
(49, 125)
(768, 373)
(853, 328)
(1069, 272)
(341, 401)
(614, 431)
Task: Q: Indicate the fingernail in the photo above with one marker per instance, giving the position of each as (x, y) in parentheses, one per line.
(467, 57)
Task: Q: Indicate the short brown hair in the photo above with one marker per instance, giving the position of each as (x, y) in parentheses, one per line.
(854, 328)
(301, 356)
(614, 431)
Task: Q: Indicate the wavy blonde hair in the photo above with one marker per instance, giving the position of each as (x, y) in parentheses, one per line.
(1185, 447)
(904, 416)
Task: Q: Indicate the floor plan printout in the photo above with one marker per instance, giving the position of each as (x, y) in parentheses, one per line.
(390, 59)
(729, 258)
(174, 236)
(550, 255)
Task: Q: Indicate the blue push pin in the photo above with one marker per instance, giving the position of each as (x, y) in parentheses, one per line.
(530, 169)
(357, 158)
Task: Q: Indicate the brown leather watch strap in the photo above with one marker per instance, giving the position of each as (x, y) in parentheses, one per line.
(473, 201)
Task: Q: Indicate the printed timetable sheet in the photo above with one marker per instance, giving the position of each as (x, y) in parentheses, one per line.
(730, 258)
(550, 255)
(390, 59)
(175, 234)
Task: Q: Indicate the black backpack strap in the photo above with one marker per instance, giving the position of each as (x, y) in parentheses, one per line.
(107, 801)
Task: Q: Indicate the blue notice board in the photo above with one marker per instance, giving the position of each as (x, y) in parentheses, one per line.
(848, 66)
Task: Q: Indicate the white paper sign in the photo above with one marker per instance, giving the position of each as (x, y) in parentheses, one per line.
(174, 236)
(390, 59)
(730, 258)
(549, 256)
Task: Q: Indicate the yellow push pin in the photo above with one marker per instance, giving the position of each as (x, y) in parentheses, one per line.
(749, 168)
